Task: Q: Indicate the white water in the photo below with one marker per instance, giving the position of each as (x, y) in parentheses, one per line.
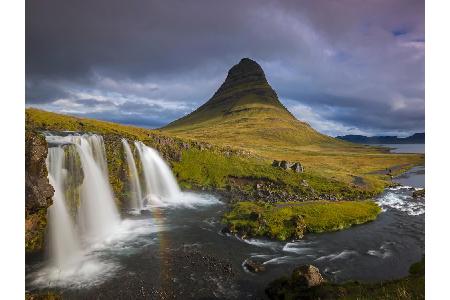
(161, 187)
(65, 245)
(97, 215)
(135, 185)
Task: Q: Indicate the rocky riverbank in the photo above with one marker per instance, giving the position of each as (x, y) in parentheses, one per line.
(306, 282)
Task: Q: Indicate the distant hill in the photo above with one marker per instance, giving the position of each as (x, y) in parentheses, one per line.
(416, 138)
(245, 110)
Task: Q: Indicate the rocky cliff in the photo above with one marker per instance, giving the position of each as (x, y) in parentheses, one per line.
(38, 191)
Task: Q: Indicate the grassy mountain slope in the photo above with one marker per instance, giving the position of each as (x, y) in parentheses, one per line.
(245, 113)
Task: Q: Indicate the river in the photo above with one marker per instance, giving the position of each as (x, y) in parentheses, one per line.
(179, 251)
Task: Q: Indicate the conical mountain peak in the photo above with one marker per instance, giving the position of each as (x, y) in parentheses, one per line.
(245, 107)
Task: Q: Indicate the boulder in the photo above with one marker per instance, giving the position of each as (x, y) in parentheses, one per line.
(419, 193)
(276, 163)
(297, 167)
(307, 276)
(253, 266)
(285, 164)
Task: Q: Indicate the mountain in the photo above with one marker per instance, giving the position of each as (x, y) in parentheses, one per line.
(246, 110)
(416, 138)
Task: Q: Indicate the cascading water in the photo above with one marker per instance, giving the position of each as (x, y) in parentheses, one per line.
(160, 184)
(97, 214)
(135, 186)
(64, 243)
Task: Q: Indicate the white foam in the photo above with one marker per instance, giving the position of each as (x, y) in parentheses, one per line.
(260, 243)
(402, 202)
(184, 199)
(342, 255)
(278, 260)
(296, 248)
(93, 267)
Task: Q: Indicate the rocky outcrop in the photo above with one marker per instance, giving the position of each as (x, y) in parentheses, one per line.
(38, 191)
(286, 165)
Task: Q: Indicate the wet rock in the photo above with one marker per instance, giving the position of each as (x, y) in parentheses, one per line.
(253, 266)
(419, 194)
(145, 212)
(307, 276)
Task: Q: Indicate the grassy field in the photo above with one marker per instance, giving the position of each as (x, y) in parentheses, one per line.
(284, 221)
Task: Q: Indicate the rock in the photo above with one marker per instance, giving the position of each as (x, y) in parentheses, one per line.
(297, 167)
(276, 163)
(38, 191)
(299, 226)
(285, 164)
(419, 194)
(145, 212)
(307, 276)
(253, 266)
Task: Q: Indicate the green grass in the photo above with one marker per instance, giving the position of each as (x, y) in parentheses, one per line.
(284, 221)
(411, 287)
(330, 168)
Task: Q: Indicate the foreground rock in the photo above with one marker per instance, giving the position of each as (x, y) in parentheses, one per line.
(38, 191)
(307, 276)
(419, 194)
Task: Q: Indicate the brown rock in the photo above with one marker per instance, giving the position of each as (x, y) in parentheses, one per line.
(307, 276)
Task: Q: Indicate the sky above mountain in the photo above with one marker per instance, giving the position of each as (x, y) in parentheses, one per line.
(345, 67)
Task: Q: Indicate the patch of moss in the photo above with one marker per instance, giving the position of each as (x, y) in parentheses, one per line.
(291, 220)
(35, 225)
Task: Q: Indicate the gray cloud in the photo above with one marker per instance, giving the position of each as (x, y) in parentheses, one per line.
(344, 66)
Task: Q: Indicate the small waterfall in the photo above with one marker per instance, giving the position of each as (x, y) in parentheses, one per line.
(160, 184)
(136, 193)
(97, 214)
(64, 244)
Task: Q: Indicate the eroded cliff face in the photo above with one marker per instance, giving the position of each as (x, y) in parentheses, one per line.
(38, 191)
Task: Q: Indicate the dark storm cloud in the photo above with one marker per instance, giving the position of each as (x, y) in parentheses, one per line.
(344, 66)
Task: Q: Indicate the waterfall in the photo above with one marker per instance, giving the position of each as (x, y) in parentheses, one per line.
(160, 184)
(97, 214)
(64, 244)
(135, 186)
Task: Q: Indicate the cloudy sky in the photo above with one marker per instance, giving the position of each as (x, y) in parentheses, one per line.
(345, 67)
